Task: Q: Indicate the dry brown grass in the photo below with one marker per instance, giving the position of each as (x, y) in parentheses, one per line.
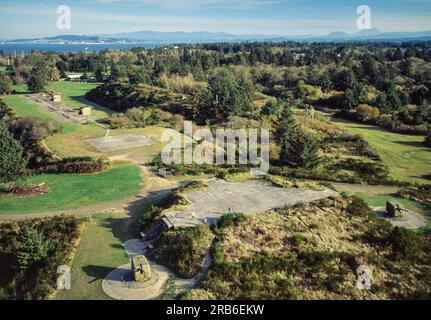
(325, 226)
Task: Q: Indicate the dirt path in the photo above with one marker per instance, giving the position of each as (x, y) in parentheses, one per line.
(377, 190)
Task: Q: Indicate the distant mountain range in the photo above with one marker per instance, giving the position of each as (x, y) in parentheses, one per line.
(155, 37)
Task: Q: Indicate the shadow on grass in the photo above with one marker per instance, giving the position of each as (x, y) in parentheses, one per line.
(416, 144)
(128, 227)
(96, 272)
(84, 101)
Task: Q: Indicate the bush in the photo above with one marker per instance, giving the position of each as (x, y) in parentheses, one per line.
(81, 165)
(407, 244)
(367, 113)
(183, 250)
(359, 208)
(6, 113)
(227, 220)
(31, 251)
(422, 193)
(193, 186)
(369, 171)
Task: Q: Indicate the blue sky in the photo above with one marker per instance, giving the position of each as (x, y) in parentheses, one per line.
(29, 18)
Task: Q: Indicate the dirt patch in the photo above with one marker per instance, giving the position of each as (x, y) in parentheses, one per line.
(28, 191)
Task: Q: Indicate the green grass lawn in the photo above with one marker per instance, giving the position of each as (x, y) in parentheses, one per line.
(21, 88)
(75, 190)
(25, 108)
(100, 251)
(22, 107)
(380, 200)
(73, 94)
(405, 155)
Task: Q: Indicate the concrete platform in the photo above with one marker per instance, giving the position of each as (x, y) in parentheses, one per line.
(119, 284)
(410, 220)
(123, 142)
(245, 197)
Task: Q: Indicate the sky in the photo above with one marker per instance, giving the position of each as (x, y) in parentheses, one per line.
(29, 18)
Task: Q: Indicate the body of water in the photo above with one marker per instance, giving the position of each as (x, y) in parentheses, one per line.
(28, 47)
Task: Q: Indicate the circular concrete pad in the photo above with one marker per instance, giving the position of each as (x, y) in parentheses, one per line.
(135, 247)
(119, 284)
(410, 220)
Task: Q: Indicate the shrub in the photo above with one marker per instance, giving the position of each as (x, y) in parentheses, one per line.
(227, 220)
(369, 171)
(31, 251)
(367, 113)
(406, 243)
(6, 85)
(422, 193)
(193, 186)
(183, 250)
(298, 239)
(6, 113)
(81, 165)
(198, 294)
(359, 208)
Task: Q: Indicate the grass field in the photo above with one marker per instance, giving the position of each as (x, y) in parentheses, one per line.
(22, 107)
(72, 144)
(405, 155)
(75, 191)
(100, 251)
(73, 94)
(21, 88)
(374, 200)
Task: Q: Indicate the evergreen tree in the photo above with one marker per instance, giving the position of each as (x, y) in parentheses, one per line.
(32, 247)
(228, 96)
(393, 99)
(12, 161)
(100, 77)
(38, 78)
(286, 130)
(296, 148)
(303, 151)
(382, 102)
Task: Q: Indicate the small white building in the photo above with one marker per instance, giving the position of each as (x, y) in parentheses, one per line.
(74, 76)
